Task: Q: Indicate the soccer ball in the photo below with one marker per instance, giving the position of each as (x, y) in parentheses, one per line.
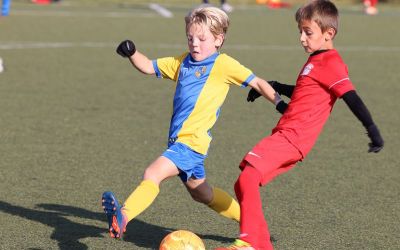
(182, 240)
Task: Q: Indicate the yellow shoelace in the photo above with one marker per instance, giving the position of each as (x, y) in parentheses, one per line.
(238, 244)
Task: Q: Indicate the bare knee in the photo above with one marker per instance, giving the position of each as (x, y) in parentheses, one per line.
(161, 169)
(199, 197)
(203, 198)
(200, 192)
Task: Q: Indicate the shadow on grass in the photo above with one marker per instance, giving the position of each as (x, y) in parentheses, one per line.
(68, 233)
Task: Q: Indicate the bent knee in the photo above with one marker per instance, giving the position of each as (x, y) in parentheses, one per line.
(199, 198)
(248, 175)
(202, 197)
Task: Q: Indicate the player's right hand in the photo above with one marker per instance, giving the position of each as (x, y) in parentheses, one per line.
(126, 48)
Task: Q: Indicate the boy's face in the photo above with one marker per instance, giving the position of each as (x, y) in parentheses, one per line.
(313, 39)
(202, 42)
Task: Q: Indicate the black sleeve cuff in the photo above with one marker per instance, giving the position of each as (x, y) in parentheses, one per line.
(281, 107)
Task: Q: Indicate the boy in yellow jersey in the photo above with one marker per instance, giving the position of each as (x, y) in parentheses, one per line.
(203, 77)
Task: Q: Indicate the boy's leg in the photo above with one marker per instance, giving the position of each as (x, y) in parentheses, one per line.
(253, 226)
(224, 204)
(144, 195)
(140, 199)
(116, 219)
(215, 198)
(272, 156)
(5, 9)
(226, 6)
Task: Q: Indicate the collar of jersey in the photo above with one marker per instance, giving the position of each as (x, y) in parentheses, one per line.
(318, 52)
(208, 60)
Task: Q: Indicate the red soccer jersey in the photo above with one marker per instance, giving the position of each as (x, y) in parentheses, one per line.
(322, 80)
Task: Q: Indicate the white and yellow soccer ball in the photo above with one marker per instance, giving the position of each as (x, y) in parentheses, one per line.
(182, 240)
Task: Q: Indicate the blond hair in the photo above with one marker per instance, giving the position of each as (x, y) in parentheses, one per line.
(213, 18)
(323, 12)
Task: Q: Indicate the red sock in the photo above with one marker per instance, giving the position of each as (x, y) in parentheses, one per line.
(373, 2)
(253, 226)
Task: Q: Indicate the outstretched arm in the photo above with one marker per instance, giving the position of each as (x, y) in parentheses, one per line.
(128, 49)
(282, 89)
(261, 87)
(359, 109)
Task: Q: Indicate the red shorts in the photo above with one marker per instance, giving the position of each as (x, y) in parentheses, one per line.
(272, 156)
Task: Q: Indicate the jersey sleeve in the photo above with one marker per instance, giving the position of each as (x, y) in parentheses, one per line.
(168, 67)
(333, 75)
(235, 72)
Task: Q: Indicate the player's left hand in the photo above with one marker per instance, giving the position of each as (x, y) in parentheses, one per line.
(377, 142)
(252, 95)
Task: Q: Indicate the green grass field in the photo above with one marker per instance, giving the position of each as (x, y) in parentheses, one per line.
(73, 113)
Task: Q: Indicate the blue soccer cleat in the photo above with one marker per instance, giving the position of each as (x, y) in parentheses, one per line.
(116, 220)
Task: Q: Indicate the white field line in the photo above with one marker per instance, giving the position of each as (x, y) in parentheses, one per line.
(161, 10)
(244, 47)
(42, 45)
(61, 13)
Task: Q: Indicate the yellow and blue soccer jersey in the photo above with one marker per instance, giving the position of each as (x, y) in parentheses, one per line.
(201, 88)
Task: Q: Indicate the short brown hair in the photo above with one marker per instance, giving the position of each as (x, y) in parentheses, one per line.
(323, 12)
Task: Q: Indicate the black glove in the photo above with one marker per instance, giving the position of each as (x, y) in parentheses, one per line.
(126, 48)
(253, 94)
(277, 86)
(274, 84)
(281, 106)
(282, 89)
(376, 143)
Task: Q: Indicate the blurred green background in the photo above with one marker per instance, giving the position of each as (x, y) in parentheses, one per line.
(247, 2)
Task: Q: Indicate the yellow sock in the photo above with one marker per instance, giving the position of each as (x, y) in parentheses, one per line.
(140, 199)
(225, 205)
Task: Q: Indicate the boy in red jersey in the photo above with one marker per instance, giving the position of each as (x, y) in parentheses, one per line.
(322, 80)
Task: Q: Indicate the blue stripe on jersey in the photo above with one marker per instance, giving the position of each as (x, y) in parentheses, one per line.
(156, 69)
(192, 77)
(248, 80)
